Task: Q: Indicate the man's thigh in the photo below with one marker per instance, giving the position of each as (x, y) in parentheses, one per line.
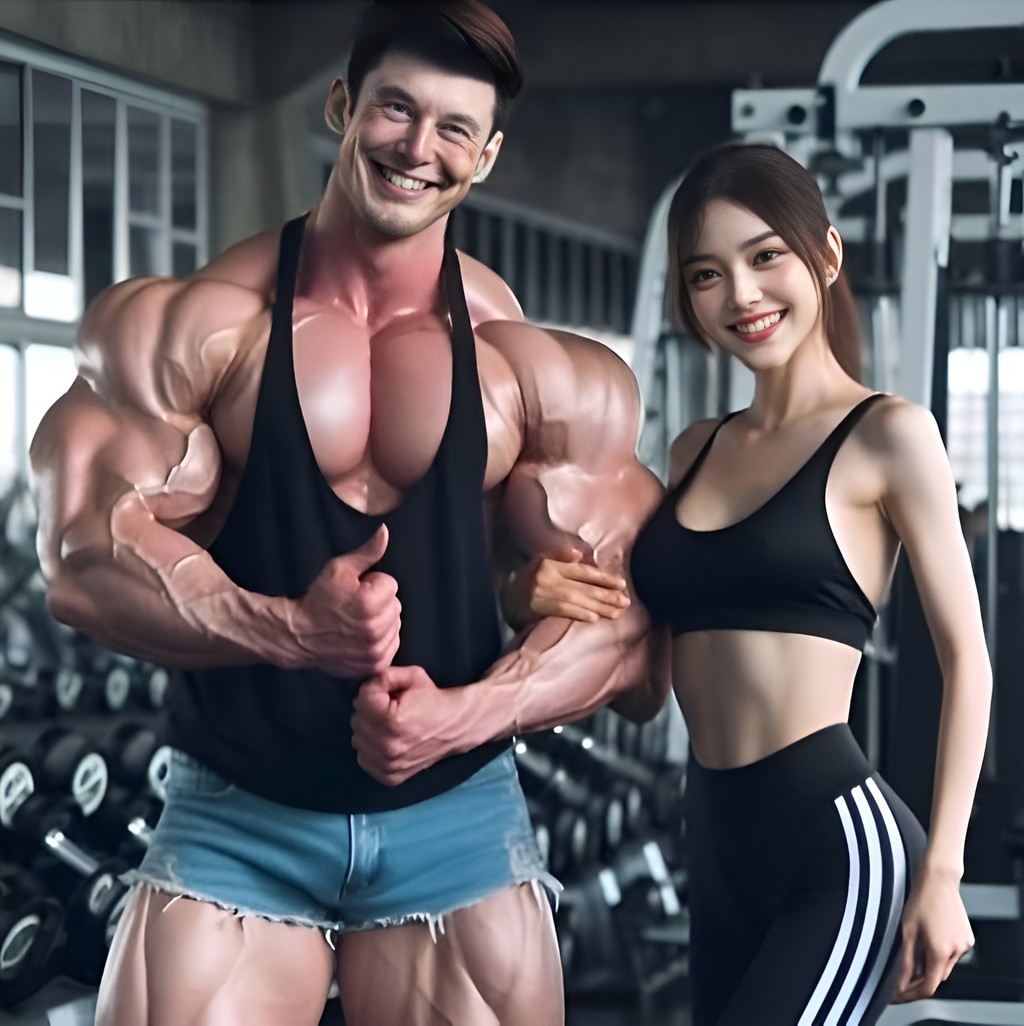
(182, 962)
(493, 963)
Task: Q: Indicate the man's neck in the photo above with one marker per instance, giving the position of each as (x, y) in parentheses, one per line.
(371, 277)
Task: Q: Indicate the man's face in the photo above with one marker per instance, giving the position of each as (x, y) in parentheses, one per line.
(414, 143)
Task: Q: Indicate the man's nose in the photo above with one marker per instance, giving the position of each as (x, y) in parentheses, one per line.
(415, 144)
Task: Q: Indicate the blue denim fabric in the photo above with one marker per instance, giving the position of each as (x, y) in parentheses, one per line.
(219, 843)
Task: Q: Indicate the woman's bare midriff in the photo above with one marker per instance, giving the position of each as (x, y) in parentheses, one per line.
(747, 694)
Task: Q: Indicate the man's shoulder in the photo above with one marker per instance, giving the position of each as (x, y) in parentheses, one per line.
(545, 354)
(250, 264)
(488, 296)
(143, 332)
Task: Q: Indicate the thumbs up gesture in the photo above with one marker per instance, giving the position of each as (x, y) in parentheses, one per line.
(348, 622)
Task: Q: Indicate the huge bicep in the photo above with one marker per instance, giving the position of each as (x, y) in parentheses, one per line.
(89, 454)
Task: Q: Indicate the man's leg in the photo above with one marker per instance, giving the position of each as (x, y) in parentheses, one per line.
(182, 962)
(495, 964)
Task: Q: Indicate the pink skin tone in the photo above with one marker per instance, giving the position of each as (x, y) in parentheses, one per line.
(136, 469)
(890, 486)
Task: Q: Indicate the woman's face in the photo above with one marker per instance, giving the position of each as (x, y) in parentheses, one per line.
(751, 294)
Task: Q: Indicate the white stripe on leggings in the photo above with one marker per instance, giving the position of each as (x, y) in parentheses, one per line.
(899, 886)
(870, 922)
(885, 858)
(845, 927)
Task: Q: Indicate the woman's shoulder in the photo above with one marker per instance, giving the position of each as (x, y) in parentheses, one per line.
(687, 446)
(899, 432)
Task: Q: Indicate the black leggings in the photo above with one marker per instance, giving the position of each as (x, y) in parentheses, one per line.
(800, 865)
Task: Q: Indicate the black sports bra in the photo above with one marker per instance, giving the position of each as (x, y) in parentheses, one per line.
(778, 569)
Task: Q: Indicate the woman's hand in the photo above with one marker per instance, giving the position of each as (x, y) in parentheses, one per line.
(936, 933)
(561, 584)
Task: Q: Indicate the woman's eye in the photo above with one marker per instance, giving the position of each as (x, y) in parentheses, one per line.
(767, 255)
(701, 276)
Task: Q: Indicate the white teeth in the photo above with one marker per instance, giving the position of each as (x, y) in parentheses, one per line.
(402, 182)
(760, 324)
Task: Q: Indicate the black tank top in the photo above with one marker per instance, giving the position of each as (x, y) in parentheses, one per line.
(779, 569)
(286, 734)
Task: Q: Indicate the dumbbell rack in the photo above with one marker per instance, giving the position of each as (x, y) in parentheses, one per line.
(606, 805)
(82, 773)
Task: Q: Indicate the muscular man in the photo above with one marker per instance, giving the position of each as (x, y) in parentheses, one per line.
(286, 475)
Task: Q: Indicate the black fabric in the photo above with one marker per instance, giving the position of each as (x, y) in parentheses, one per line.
(779, 569)
(286, 734)
(800, 865)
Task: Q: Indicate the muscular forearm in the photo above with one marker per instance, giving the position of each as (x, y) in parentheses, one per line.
(559, 671)
(154, 594)
(963, 728)
(643, 703)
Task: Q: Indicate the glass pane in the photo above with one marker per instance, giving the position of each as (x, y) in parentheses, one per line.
(10, 258)
(184, 150)
(184, 259)
(143, 161)
(10, 129)
(144, 252)
(98, 114)
(8, 407)
(49, 371)
(51, 132)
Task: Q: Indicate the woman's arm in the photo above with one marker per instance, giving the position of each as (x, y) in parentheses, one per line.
(920, 502)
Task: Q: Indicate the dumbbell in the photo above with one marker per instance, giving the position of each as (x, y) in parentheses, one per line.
(132, 685)
(31, 934)
(618, 778)
(590, 946)
(557, 786)
(94, 903)
(650, 893)
(561, 805)
(127, 744)
(64, 761)
(662, 786)
(17, 648)
(124, 821)
(22, 701)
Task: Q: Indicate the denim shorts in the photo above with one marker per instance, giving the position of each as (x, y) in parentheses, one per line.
(216, 842)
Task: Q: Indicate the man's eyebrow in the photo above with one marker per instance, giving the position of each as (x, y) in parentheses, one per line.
(701, 257)
(396, 92)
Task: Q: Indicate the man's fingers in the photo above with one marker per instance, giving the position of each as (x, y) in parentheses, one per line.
(369, 553)
(378, 593)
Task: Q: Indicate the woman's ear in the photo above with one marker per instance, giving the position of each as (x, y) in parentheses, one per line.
(835, 254)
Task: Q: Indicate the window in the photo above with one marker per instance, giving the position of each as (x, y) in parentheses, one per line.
(100, 178)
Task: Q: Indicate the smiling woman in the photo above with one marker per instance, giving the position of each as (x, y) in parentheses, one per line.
(814, 894)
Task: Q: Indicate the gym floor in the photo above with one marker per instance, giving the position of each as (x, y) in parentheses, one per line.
(66, 1003)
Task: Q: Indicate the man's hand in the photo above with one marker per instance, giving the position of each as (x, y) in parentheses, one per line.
(403, 722)
(348, 623)
(561, 584)
(936, 933)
